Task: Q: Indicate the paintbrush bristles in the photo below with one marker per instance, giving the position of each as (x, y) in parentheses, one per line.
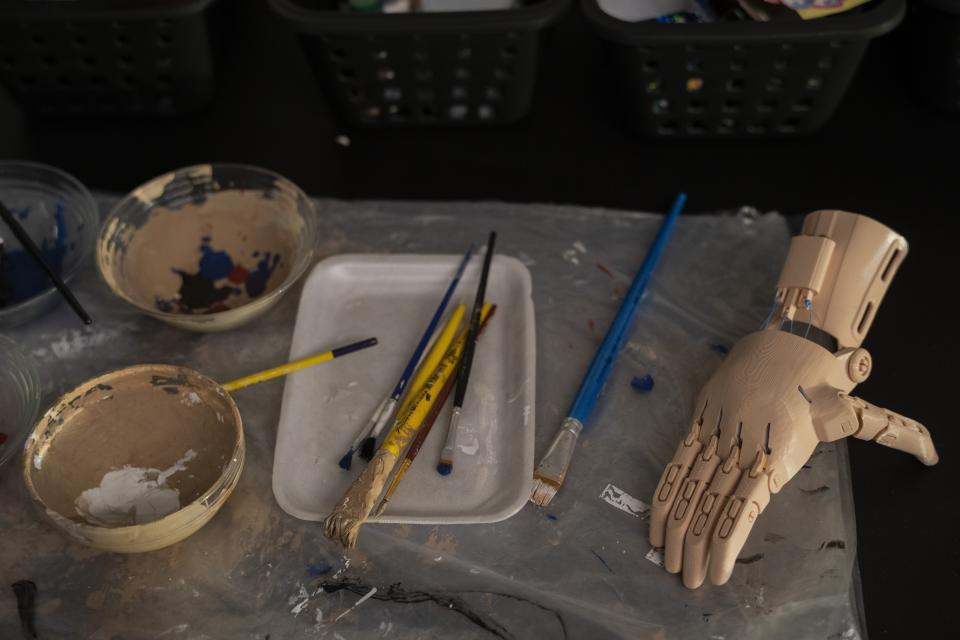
(343, 524)
(543, 492)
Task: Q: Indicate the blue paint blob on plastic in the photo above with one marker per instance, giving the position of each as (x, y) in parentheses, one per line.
(20, 277)
(719, 348)
(550, 516)
(257, 280)
(319, 569)
(214, 265)
(644, 383)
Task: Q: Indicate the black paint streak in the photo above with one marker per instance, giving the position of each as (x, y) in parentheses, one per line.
(98, 387)
(833, 544)
(602, 560)
(773, 538)
(26, 592)
(163, 381)
(806, 466)
(199, 293)
(812, 492)
(397, 594)
(750, 559)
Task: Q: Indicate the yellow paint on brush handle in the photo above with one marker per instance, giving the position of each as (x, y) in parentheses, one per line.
(276, 372)
(434, 356)
(408, 423)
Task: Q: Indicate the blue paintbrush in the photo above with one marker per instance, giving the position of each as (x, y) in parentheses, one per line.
(366, 441)
(553, 467)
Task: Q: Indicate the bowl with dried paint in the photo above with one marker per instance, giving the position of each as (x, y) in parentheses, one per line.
(137, 459)
(19, 397)
(60, 216)
(208, 247)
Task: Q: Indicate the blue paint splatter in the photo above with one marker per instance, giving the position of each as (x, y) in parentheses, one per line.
(214, 265)
(199, 292)
(719, 348)
(642, 384)
(319, 569)
(550, 516)
(257, 280)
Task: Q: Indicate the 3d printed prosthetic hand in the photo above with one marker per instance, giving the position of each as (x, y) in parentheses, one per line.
(779, 393)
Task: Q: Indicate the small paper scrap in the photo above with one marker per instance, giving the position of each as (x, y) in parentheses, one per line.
(624, 501)
(655, 555)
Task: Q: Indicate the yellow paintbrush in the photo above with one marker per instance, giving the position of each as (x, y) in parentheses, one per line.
(297, 365)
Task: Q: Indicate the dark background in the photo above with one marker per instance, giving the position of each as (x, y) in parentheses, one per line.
(883, 154)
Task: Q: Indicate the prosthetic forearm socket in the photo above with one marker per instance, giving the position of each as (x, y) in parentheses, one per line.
(780, 392)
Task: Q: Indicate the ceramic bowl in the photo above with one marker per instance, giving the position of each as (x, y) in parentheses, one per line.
(61, 217)
(137, 459)
(19, 397)
(208, 247)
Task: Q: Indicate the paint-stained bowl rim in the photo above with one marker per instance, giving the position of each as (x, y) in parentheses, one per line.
(43, 178)
(19, 368)
(229, 318)
(163, 532)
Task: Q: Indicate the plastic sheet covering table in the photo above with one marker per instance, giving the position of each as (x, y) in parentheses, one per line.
(578, 569)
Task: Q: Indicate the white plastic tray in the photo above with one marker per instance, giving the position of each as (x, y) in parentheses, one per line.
(392, 297)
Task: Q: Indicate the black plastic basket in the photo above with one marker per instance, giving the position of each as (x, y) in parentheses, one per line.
(456, 68)
(739, 78)
(84, 57)
(934, 31)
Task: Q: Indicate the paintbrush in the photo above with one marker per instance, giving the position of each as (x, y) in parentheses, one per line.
(367, 439)
(424, 431)
(31, 247)
(445, 465)
(450, 332)
(344, 522)
(297, 365)
(552, 469)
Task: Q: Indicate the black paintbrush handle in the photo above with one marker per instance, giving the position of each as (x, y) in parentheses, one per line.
(463, 375)
(27, 242)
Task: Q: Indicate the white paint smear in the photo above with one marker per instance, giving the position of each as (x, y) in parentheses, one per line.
(571, 256)
(579, 246)
(132, 495)
(624, 501)
(655, 555)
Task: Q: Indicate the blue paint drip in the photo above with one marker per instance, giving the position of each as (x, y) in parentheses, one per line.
(257, 280)
(550, 516)
(214, 265)
(319, 569)
(719, 348)
(642, 384)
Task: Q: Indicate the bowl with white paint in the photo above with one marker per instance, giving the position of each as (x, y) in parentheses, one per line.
(136, 459)
(19, 397)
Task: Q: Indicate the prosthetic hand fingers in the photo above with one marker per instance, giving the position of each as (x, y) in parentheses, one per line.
(685, 505)
(670, 482)
(739, 515)
(893, 430)
(696, 543)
